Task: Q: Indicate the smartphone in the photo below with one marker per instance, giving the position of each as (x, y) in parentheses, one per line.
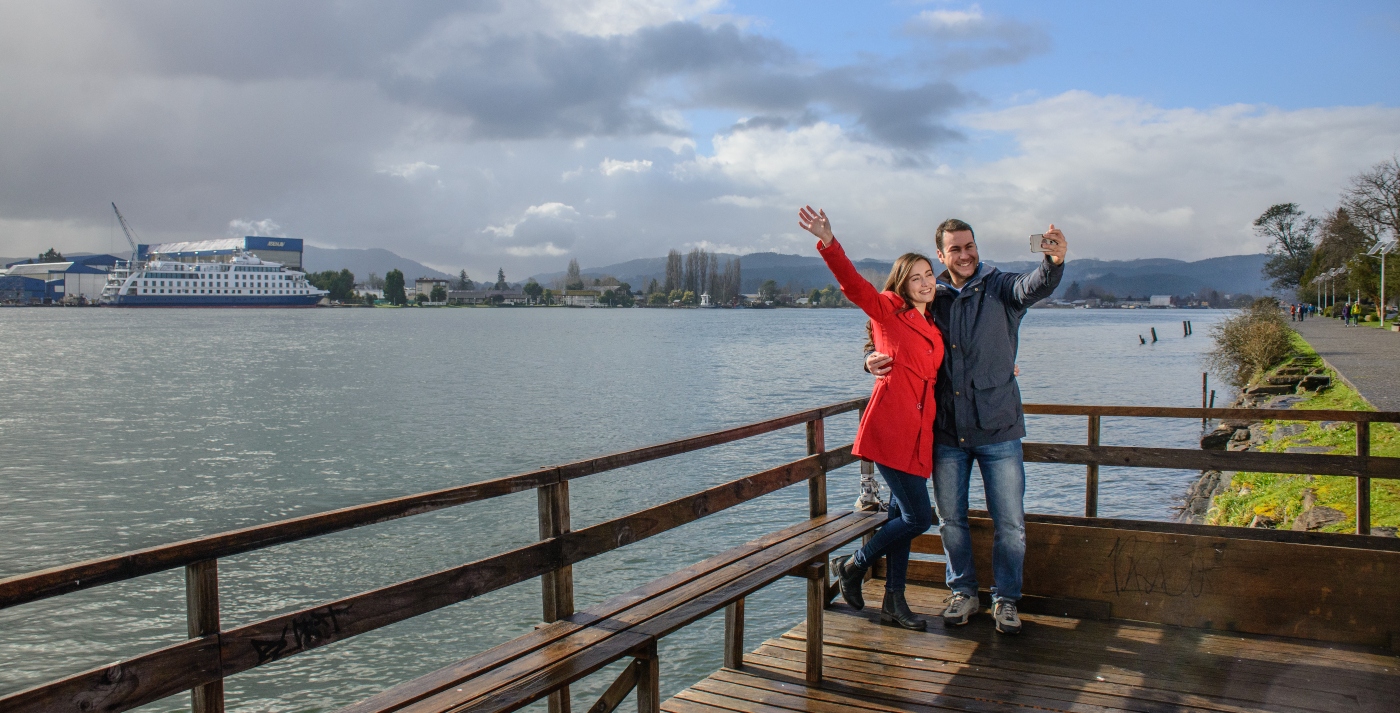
(1040, 243)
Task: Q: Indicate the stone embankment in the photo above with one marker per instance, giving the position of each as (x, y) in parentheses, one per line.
(1283, 388)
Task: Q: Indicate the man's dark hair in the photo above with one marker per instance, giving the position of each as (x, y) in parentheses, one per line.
(951, 225)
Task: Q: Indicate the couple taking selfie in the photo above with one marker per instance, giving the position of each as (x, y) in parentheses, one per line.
(943, 349)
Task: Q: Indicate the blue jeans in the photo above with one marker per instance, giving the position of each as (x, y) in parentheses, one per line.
(910, 515)
(1004, 480)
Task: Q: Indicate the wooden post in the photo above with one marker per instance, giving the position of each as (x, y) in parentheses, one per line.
(816, 609)
(202, 619)
(649, 681)
(1205, 381)
(1363, 485)
(816, 487)
(1091, 473)
(734, 635)
(1154, 335)
(557, 586)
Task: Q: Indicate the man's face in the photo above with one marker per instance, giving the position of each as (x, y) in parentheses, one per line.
(959, 254)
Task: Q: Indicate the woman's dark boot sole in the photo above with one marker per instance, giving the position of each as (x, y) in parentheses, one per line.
(888, 620)
(850, 584)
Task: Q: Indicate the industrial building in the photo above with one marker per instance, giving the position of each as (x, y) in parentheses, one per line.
(82, 276)
(18, 289)
(286, 251)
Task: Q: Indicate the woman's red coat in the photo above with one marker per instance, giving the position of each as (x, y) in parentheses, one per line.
(897, 429)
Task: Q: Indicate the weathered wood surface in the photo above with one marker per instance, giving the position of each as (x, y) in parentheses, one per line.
(150, 678)
(1191, 459)
(104, 570)
(506, 684)
(1245, 414)
(1203, 579)
(1055, 664)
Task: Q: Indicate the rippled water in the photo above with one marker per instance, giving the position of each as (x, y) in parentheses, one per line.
(127, 428)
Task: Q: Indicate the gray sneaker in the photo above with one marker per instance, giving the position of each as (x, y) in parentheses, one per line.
(1008, 622)
(960, 608)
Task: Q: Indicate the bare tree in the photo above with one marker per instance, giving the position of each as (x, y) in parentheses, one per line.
(1373, 200)
(1291, 246)
(674, 272)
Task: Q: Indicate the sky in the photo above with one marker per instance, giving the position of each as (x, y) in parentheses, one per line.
(521, 134)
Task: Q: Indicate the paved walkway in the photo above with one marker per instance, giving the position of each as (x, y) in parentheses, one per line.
(1368, 357)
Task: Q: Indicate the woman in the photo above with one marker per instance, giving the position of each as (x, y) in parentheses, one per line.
(896, 431)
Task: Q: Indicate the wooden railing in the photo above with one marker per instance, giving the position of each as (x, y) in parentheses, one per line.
(212, 653)
(1362, 466)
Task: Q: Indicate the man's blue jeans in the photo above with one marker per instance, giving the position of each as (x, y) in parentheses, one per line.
(1004, 480)
(911, 515)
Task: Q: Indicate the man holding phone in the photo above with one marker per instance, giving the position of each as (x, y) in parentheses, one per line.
(979, 418)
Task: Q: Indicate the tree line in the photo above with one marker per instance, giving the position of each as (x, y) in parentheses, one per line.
(1303, 246)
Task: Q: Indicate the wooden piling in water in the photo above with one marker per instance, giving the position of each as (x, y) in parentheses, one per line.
(1154, 335)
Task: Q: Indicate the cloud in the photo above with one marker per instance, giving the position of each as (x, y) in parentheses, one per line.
(409, 170)
(265, 227)
(610, 166)
(549, 211)
(1121, 176)
(965, 40)
(536, 250)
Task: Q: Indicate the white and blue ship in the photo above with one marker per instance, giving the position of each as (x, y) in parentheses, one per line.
(243, 280)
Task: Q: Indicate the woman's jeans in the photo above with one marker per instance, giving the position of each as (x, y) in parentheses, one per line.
(911, 515)
(1004, 481)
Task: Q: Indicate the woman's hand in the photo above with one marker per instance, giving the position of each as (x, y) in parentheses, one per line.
(816, 223)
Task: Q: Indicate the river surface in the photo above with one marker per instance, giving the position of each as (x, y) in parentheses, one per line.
(124, 429)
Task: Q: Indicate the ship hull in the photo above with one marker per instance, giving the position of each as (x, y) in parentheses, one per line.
(214, 301)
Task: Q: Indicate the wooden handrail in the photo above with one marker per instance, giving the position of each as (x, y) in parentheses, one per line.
(64, 579)
(1242, 414)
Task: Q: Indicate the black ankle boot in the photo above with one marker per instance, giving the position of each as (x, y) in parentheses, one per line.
(895, 612)
(849, 578)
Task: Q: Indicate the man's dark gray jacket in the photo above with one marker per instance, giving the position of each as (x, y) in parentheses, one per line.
(979, 402)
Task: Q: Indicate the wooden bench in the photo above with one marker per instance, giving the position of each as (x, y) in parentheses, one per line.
(548, 659)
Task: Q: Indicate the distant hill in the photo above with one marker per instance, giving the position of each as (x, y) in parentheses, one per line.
(1233, 274)
(362, 262)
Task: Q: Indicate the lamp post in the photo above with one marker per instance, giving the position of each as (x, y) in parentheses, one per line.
(1381, 250)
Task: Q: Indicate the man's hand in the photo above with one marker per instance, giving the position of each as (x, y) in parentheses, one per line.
(1059, 247)
(878, 364)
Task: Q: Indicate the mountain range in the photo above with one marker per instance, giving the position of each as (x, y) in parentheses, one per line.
(1233, 274)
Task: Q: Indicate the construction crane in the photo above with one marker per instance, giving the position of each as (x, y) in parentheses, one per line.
(130, 234)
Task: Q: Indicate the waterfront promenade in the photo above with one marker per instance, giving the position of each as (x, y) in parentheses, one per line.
(1367, 357)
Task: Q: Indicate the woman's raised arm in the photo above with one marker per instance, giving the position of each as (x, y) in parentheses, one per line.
(856, 288)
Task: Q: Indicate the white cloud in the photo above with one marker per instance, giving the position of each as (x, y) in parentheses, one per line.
(265, 227)
(610, 166)
(951, 19)
(1122, 177)
(555, 211)
(409, 170)
(547, 249)
(741, 201)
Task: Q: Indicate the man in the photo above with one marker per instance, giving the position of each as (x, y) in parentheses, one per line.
(979, 418)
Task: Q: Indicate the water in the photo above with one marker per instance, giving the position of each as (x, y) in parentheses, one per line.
(125, 429)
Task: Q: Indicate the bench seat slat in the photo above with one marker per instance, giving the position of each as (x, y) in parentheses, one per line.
(531, 677)
(458, 673)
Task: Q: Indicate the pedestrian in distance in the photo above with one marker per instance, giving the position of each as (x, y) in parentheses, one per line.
(896, 431)
(978, 309)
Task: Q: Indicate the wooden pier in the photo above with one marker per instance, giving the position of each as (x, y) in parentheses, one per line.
(1122, 614)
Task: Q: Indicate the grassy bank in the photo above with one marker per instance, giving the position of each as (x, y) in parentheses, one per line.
(1280, 497)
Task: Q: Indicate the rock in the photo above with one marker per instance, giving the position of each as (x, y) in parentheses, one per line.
(1285, 380)
(1292, 371)
(1309, 498)
(1240, 434)
(1269, 389)
(1201, 495)
(1318, 517)
(1383, 532)
(1263, 521)
(1284, 401)
(1217, 440)
(1288, 431)
(1257, 437)
(1237, 446)
(1329, 425)
(1315, 382)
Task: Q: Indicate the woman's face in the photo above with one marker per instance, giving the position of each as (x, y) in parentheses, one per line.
(921, 284)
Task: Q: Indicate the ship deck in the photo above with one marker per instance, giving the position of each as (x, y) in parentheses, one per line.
(1056, 664)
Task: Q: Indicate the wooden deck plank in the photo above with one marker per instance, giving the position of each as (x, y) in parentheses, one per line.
(1059, 664)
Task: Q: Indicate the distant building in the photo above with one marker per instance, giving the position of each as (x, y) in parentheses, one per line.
(1160, 301)
(64, 279)
(19, 289)
(580, 298)
(515, 296)
(424, 285)
(286, 251)
(705, 299)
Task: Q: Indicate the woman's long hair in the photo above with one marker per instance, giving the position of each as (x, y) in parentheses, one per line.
(898, 283)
